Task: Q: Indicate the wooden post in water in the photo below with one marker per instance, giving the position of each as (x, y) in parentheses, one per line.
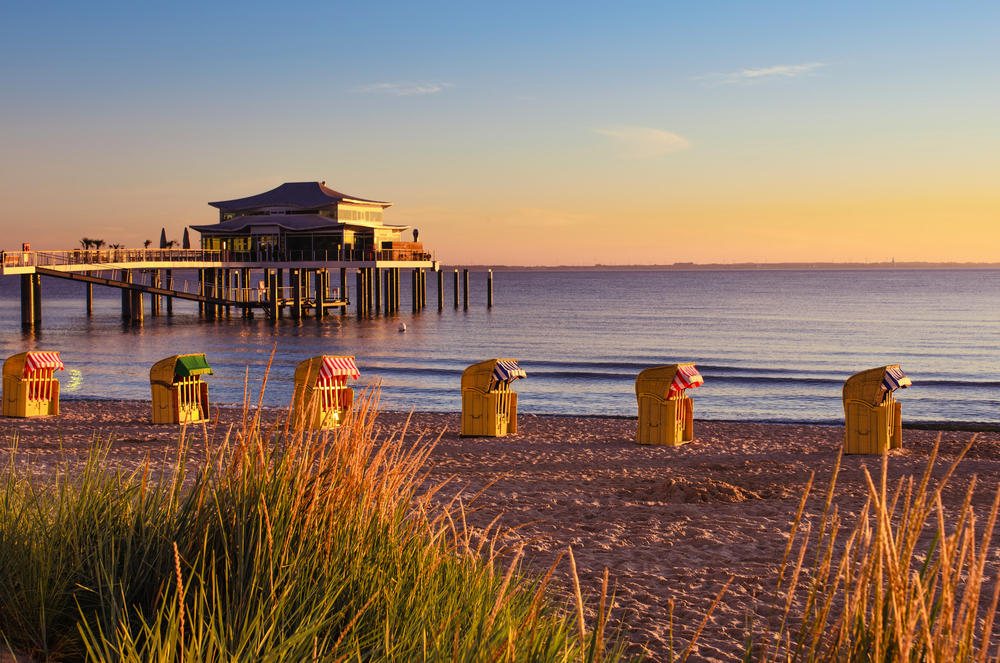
(359, 293)
(413, 283)
(170, 286)
(423, 289)
(369, 291)
(272, 293)
(465, 293)
(90, 296)
(154, 299)
(396, 288)
(227, 288)
(201, 290)
(126, 295)
(456, 288)
(27, 299)
(489, 288)
(320, 293)
(343, 290)
(440, 290)
(36, 298)
(137, 306)
(377, 283)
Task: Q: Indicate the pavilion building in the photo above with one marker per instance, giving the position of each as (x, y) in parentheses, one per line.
(306, 221)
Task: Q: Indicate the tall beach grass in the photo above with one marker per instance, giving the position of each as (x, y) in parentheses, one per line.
(281, 544)
(907, 582)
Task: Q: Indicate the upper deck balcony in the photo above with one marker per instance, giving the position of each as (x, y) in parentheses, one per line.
(82, 260)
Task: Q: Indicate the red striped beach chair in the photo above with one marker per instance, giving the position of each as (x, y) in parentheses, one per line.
(29, 386)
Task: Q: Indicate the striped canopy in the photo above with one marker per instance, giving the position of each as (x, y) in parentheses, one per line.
(687, 377)
(38, 360)
(337, 367)
(894, 379)
(507, 370)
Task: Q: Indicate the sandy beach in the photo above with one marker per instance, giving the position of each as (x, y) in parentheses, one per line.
(669, 523)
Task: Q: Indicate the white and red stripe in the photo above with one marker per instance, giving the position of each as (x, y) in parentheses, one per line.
(687, 377)
(38, 360)
(339, 367)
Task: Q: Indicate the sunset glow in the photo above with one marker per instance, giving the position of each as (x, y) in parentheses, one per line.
(526, 134)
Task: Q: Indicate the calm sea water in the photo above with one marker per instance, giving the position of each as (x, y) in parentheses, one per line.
(772, 345)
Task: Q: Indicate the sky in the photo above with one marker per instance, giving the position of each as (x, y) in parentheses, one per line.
(521, 133)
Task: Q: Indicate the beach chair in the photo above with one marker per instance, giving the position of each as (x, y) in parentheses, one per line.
(180, 396)
(872, 417)
(489, 407)
(29, 388)
(666, 414)
(322, 398)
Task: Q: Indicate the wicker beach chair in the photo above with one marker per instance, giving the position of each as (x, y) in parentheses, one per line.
(29, 386)
(666, 414)
(489, 407)
(872, 417)
(322, 398)
(180, 396)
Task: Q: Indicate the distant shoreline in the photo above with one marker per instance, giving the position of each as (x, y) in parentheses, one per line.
(715, 266)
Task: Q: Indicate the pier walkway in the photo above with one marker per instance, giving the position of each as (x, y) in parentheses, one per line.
(226, 279)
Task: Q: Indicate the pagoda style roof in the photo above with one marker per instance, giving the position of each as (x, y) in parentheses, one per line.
(292, 222)
(303, 195)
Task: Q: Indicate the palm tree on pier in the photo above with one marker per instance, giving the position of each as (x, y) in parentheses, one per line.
(86, 242)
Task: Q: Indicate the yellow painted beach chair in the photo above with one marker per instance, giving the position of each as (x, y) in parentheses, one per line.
(322, 398)
(29, 388)
(180, 396)
(489, 407)
(872, 417)
(666, 414)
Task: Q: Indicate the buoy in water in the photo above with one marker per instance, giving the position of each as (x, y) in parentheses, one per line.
(402, 327)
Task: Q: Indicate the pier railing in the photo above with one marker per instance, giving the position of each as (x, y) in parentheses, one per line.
(109, 256)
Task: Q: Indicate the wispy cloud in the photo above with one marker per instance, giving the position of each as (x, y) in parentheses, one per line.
(402, 89)
(765, 73)
(644, 142)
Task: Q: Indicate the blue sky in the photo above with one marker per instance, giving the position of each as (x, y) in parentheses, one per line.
(556, 133)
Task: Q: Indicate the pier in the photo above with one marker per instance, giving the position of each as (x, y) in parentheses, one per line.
(320, 237)
(317, 282)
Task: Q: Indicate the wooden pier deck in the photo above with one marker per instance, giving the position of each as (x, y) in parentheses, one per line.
(226, 279)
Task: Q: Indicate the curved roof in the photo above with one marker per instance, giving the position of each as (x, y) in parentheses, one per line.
(294, 194)
(294, 222)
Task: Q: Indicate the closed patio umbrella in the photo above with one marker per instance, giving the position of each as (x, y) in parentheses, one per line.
(163, 238)
(187, 240)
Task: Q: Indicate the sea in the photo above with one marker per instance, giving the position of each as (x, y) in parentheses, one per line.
(772, 345)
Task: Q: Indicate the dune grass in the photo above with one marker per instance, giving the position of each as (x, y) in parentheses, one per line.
(906, 583)
(280, 545)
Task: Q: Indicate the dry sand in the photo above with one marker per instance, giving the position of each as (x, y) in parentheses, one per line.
(670, 523)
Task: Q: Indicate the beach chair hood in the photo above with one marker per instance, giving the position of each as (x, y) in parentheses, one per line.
(36, 361)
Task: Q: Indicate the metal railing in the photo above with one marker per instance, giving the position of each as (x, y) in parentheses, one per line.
(110, 256)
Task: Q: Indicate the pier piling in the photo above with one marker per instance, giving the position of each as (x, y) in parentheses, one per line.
(440, 275)
(489, 288)
(126, 295)
(465, 283)
(90, 296)
(31, 299)
(170, 286)
(456, 288)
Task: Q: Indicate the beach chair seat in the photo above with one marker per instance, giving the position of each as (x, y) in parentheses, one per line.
(180, 396)
(322, 399)
(30, 388)
(872, 416)
(666, 413)
(489, 406)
